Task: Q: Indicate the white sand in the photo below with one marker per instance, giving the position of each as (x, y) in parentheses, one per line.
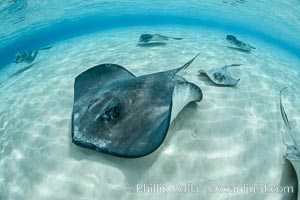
(232, 137)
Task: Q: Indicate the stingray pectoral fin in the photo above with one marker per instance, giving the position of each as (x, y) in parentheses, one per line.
(234, 82)
(201, 71)
(230, 38)
(99, 76)
(296, 166)
(183, 94)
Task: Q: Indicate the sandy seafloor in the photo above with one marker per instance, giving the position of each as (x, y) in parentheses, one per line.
(232, 137)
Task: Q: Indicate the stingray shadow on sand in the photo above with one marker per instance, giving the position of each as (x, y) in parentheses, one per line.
(238, 49)
(149, 45)
(20, 71)
(132, 169)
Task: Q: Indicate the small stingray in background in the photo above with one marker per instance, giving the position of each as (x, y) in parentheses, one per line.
(118, 113)
(292, 147)
(28, 56)
(234, 3)
(242, 45)
(221, 76)
(154, 38)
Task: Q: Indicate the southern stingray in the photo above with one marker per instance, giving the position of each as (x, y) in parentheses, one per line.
(293, 147)
(154, 39)
(28, 56)
(221, 76)
(242, 45)
(118, 113)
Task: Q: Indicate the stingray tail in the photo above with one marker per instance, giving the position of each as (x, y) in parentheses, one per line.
(185, 65)
(283, 114)
(233, 65)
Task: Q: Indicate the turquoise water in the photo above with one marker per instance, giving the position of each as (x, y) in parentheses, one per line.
(232, 137)
(56, 20)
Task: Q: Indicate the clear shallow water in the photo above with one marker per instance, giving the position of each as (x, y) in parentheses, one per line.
(233, 136)
(47, 22)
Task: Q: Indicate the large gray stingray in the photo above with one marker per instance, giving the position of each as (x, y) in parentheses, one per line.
(120, 114)
(221, 76)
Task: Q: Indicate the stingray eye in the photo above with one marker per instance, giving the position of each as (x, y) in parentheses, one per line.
(217, 75)
(112, 113)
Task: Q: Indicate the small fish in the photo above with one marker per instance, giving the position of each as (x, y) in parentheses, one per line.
(283, 114)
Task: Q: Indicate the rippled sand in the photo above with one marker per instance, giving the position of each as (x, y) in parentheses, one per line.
(232, 137)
